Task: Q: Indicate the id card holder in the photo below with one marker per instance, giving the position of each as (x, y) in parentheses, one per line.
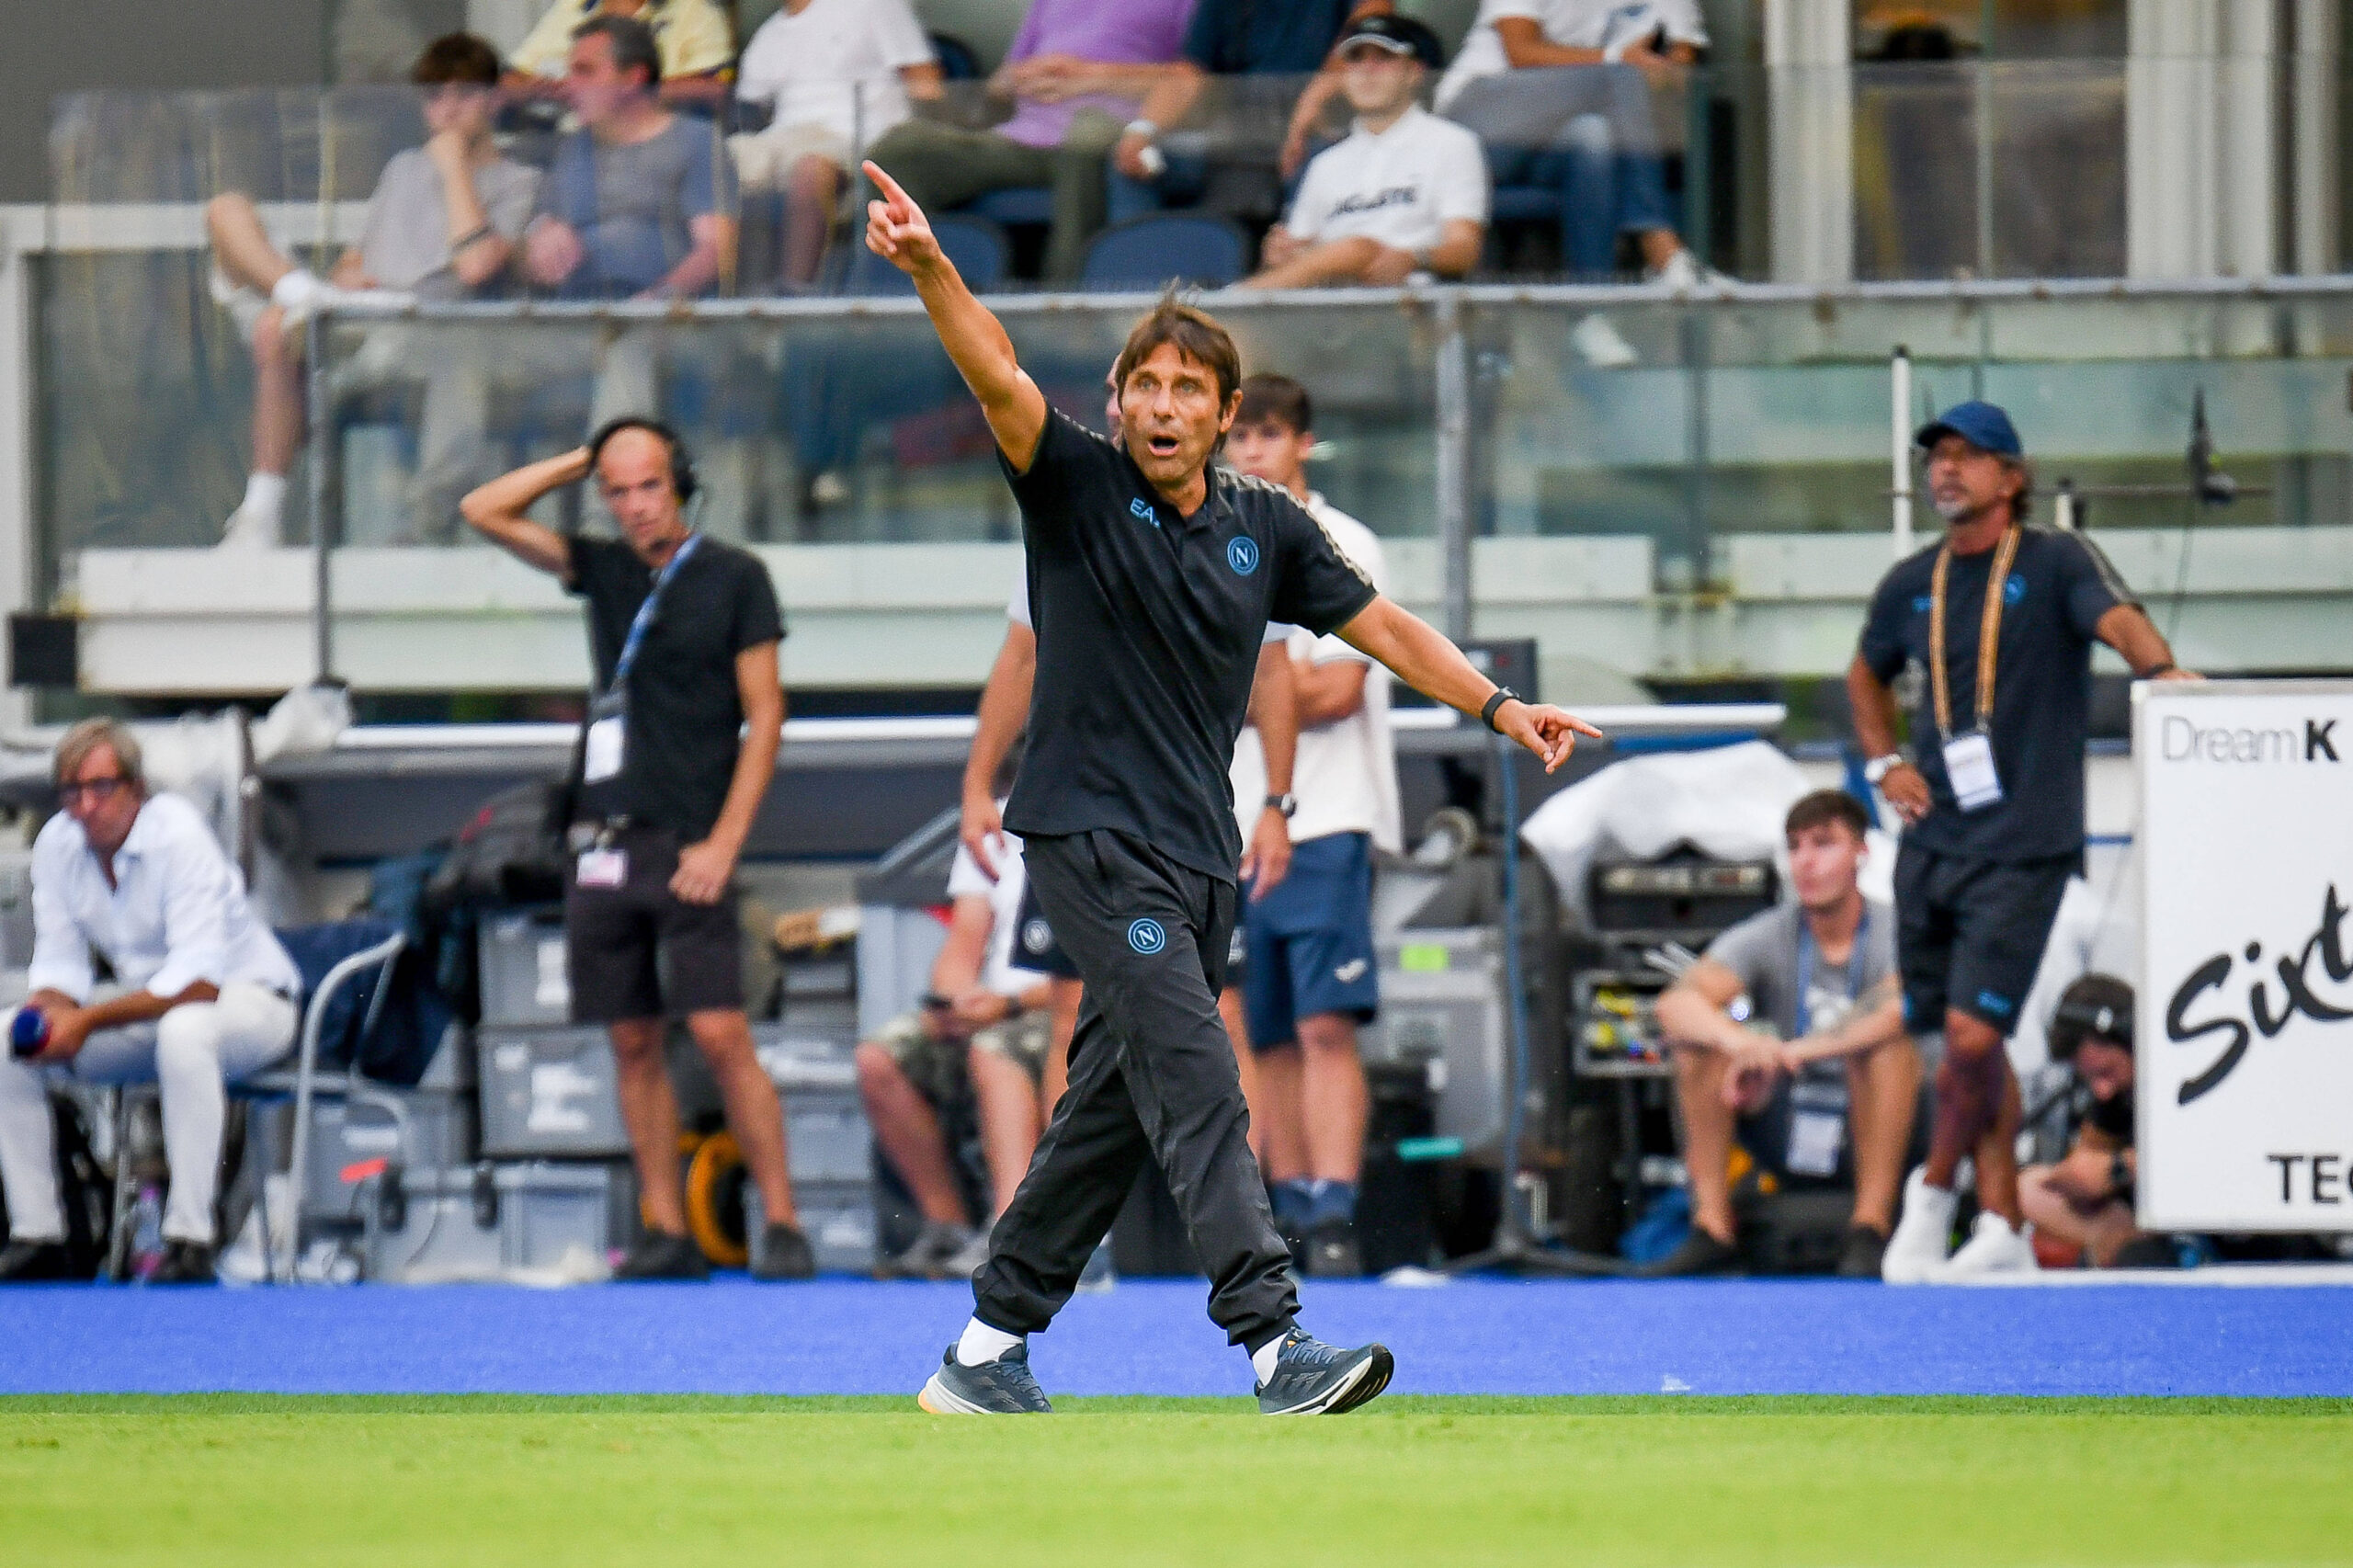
(1817, 1129)
(601, 866)
(607, 739)
(1969, 766)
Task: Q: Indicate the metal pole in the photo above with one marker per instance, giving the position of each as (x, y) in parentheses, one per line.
(1454, 465)
(324, 491)
(1900, 378)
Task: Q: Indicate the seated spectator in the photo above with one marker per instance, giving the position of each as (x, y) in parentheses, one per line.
(1076, 71)
(2081, 1208)
(637, 204)
(443, 224)
(202, 994)
(694, 40)
(986, 1021)
(1558, 91)
(1815, 1072)
(1405, 193)
(838, 74)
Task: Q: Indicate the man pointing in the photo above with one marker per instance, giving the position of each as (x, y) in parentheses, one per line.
(1150, 582)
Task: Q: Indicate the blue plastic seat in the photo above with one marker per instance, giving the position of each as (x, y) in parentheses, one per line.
(976, 247)
(1189, 247)
(1526, 204)
(1014, 206)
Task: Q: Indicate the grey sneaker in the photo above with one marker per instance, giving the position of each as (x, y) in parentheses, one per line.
(783, 1254)
(1001, 1387)
(931, 1255)
(1098, 1276)
(1315, 1379)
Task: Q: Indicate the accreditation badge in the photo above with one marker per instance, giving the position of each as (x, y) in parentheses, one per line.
(1969, 766)
(607, 740)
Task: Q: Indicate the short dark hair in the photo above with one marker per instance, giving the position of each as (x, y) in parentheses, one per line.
(2022, 504)
(1827, 806)
(633, 43)
(1267, 398)
(1195, 334)
(2096, 1006)
(456, 57)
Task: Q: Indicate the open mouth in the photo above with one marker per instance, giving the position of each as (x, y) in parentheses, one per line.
(1161, 446)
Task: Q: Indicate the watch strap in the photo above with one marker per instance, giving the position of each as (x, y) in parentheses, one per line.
(1503, 694)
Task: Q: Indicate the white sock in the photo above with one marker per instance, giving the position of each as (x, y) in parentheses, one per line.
(265, 497)
(981, 1344)
(1262, 1360)
(295, 290)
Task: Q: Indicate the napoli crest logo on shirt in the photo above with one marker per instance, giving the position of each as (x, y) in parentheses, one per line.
(1242, 554)
(2013, 589)
(1036, 937)
(1146, 936)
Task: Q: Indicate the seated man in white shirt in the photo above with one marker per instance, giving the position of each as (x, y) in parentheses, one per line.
(985, 1020)
(206, 994)
(1311, 978)
(837, 74)
(1405, 193)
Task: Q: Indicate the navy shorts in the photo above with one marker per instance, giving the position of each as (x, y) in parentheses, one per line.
(1310, 941)
(1970, 934)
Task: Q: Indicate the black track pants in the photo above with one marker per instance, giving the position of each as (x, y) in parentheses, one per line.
(1151, 1076)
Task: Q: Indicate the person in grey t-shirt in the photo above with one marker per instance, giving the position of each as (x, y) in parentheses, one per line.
(1789, 1032)
(443, 224)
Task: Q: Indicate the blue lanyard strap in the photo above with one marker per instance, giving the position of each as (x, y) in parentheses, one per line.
(1805, 967)
(643, 623)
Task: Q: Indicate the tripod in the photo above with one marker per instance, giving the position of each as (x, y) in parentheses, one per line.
(1518, 1246)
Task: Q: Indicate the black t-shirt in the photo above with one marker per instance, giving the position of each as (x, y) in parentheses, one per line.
(1149, 627)
(2114, 1117)
(2059, 587)
(685, 714)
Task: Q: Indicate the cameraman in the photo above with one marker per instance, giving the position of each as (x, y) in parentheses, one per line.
(2086, 1200)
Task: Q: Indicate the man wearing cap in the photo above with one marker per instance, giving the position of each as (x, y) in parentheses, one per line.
(2003, 616)
(2084, 1203)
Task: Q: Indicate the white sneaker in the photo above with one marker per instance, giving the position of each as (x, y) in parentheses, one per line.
(1917, 1252)
(1599, 344)
(1682, 273)
(248, 529)
(1993, 1248)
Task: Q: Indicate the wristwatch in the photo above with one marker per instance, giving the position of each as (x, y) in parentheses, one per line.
(1879, 767)
(1287, 804)
(1503, 694)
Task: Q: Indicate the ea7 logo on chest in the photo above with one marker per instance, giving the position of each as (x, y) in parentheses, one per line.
(1242, 554)
(1141, 508)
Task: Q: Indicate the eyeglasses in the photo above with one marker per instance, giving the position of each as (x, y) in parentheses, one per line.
(97, 791)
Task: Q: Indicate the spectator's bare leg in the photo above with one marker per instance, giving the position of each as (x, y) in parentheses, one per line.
(2101, 1227)
(908, 1130)
(1883, 1088)
(1658, 246)
(1335, 261)
(1007, 1102)
(755, 1114)
(241, 246)
(278, 394)
(2107, 1231)
(650, 1111)
(1706, 1139)
(1278, 1115)
(812, 191)
(1333, 1102)
(1245, 1063)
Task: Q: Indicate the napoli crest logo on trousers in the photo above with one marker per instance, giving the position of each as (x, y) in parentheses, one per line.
(1146, 936)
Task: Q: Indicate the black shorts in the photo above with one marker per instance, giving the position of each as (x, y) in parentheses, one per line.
(1970, 932)
(639, 950)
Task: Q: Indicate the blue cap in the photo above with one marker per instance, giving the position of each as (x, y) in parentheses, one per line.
(1981, 425)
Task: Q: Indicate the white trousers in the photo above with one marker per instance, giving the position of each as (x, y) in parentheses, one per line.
(194, 1052)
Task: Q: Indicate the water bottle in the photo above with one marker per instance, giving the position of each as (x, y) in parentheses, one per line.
(28, 1033)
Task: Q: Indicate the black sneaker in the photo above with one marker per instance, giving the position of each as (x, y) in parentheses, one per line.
(1861, 1256)
(659, 1255)
(28, 1263)
(783, 1254)
(184, 1263)
(1700, 1254)
(1315, 1379)
(1333, 1253)
(1001, 1387)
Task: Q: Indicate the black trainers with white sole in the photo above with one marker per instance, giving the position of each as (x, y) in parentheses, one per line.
(1315, 1379)
(1001, 1387)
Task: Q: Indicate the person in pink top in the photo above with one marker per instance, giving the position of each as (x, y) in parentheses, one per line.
(1077, 74)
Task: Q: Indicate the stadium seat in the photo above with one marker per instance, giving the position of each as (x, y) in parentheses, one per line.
(976, 247)
(1014, 206)
(1189, 247)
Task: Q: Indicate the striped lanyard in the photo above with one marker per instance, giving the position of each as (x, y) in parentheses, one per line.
(1989, 631)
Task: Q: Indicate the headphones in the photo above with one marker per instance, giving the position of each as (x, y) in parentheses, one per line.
(2077, 1017)
(683, 482)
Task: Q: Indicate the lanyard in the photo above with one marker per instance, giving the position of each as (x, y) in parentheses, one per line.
(1804, 1019)
(643, 623)
(1989, 632)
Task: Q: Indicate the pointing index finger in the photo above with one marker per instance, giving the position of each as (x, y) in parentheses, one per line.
(884, 183)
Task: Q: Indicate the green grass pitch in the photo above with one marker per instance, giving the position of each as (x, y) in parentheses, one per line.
(1680, 1482)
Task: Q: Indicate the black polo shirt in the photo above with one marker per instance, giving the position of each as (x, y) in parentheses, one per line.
(685, 712)
(1149, 626)
(2059, 587)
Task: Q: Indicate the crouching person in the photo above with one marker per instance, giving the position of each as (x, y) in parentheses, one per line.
(2082, 1206)
(987, 1022)
(204, 995)
(1825, 1014)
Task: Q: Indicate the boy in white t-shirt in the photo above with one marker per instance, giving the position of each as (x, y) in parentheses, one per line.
(1405, 193)
(987, 1020)
(838, 74)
